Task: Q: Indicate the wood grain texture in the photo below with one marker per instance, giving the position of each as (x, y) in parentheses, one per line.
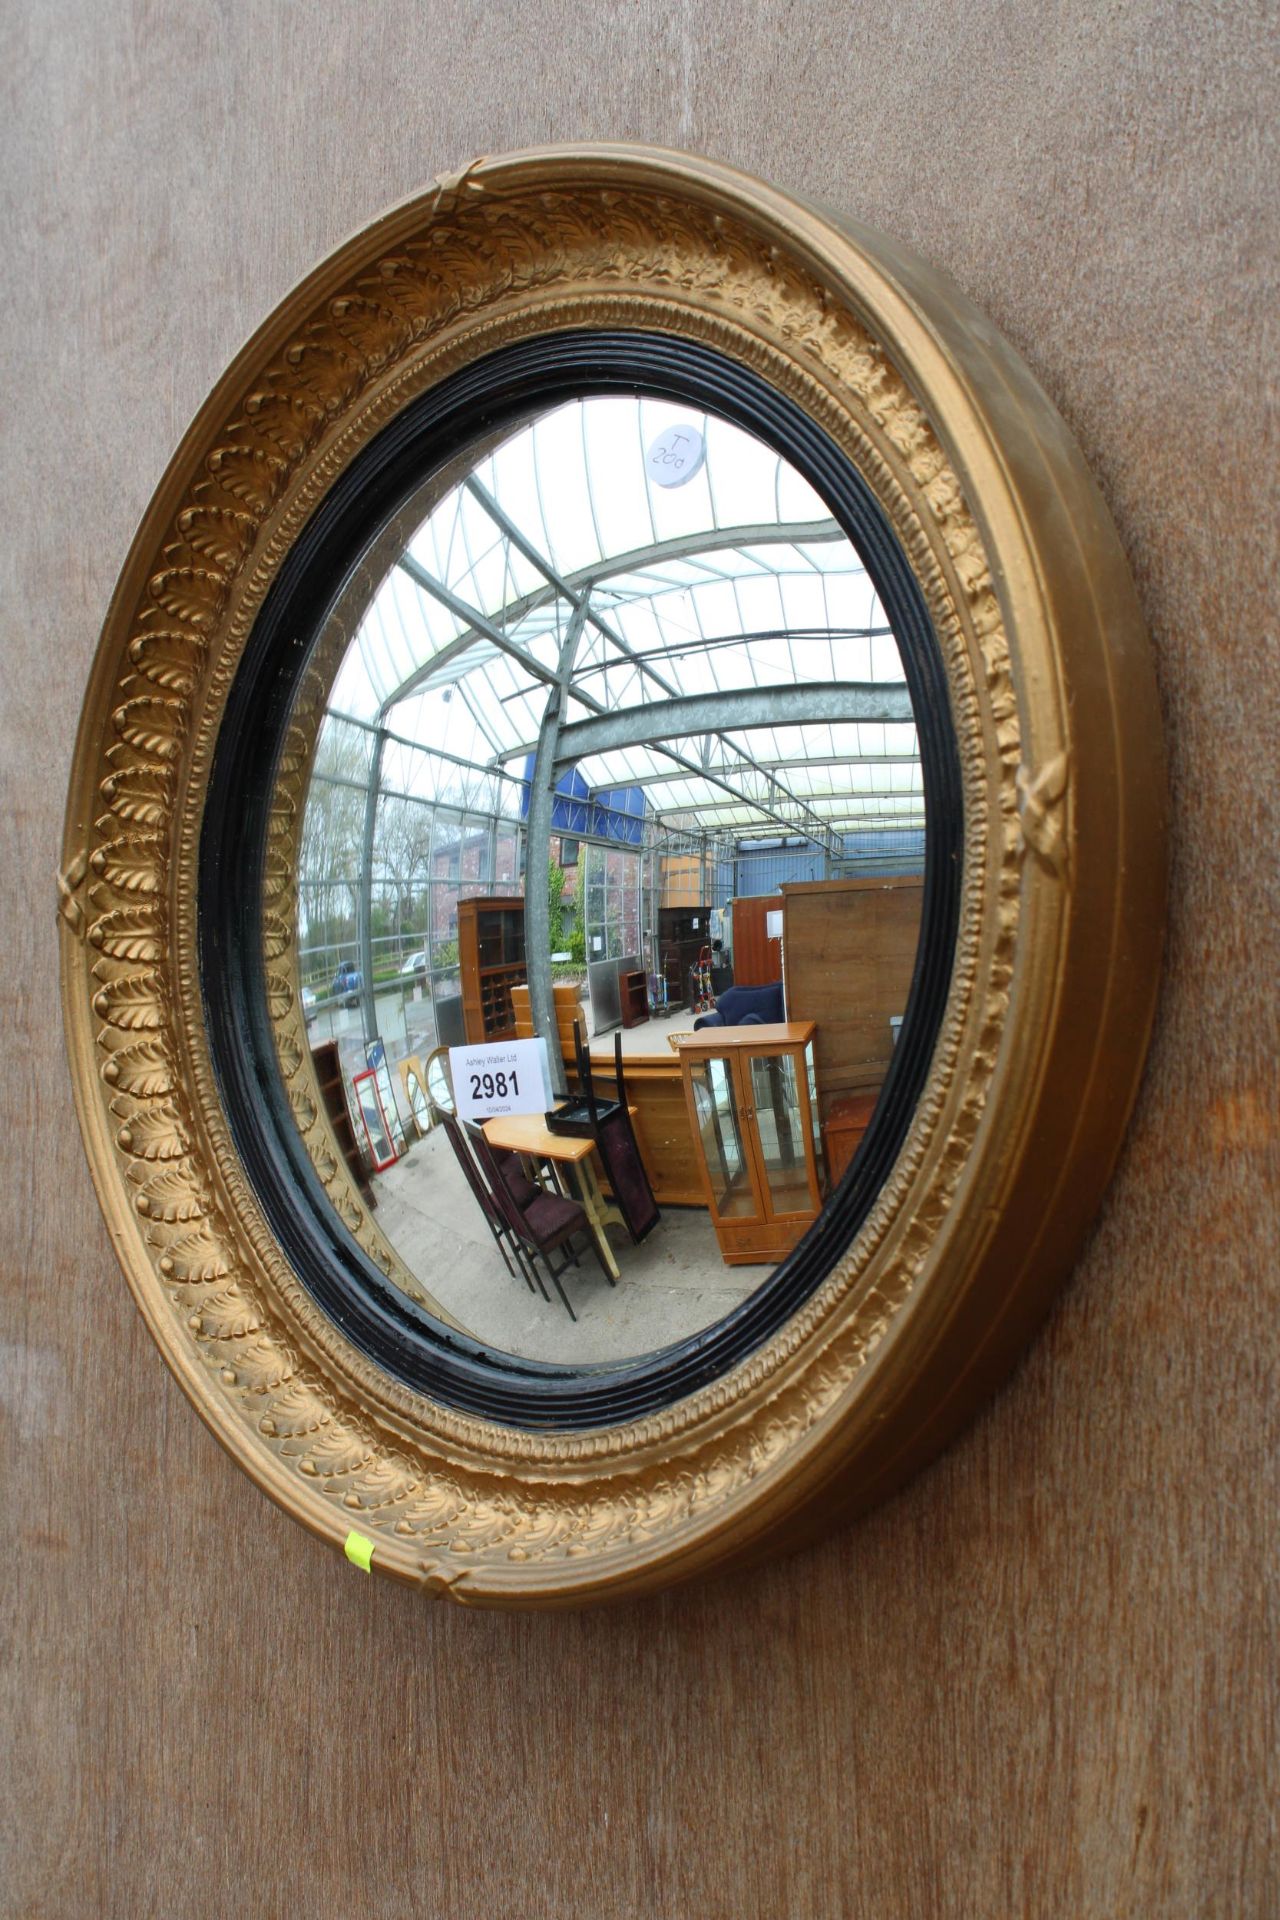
(757, 955)
(848, 950)
(1042, 1680)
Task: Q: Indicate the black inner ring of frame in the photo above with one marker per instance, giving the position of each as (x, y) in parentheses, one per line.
(391, 1330)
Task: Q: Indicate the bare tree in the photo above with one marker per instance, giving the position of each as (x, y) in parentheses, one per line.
(332, 836)
(402, 849)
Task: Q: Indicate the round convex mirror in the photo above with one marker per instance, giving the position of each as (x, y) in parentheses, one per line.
(653, 767)
(630, 670)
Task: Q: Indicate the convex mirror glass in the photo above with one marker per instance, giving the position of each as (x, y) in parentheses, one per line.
(619, 752)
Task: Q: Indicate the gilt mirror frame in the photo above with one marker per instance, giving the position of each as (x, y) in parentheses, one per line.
(1032, 1073)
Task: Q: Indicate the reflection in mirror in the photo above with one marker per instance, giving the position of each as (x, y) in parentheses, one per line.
(439, 1082)
(416, 1098)
(616, 752)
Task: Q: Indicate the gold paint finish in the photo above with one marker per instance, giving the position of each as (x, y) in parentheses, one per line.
(1061, 920)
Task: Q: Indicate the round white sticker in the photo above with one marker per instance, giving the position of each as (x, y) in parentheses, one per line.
(676, 455)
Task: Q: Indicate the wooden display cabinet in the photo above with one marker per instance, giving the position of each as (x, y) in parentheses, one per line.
(490, 961)
(328, 1072)
(752, 1100)
(633, 998)
(682, 934)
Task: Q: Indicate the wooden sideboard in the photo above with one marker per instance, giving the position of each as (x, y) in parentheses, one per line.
(655, 1091)
(568, 1008)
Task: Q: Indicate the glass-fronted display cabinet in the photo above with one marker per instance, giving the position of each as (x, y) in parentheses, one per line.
(753, 1112)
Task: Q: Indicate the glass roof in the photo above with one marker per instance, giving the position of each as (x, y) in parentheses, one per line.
(737, 579)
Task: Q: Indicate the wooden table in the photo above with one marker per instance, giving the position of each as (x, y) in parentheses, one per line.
(572, 1160)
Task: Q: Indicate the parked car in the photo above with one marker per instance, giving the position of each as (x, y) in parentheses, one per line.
(347, 983)
(309, 1004)
(415, 967)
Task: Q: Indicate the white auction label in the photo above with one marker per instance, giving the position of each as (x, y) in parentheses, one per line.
(675, 456)
(508, 1076)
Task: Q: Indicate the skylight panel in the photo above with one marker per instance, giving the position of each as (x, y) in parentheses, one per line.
(511, 477)
(846, 598)
(415, 628)
(850, 658)
(886, 662)
(478, 574)
(563, 491)
(745, 476)
(499, 572)
(637, 623)
(771, 659)
(354, 690)
(803, 603)
(615, 469)
(796, 498)
(760, 600)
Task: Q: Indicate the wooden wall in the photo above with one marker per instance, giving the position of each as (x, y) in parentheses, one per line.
(1043, 1680)
(849, 947)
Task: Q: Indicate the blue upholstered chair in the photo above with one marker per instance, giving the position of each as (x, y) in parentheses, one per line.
(745, 1007)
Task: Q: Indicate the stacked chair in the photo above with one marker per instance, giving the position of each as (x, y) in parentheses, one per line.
(495, 1218)
(538, 1223)
(532, 1225)
(615, 1141)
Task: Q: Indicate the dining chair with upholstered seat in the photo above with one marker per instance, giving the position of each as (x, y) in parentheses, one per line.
(547, 1224)
(495, 1218)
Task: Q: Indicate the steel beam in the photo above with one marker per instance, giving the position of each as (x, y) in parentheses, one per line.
(483, 628)
(489, 769)
(744, 638)
(732, 710)
(802, 533)
(745, 708)
(731, 767)
(537, 905)
(640, 661)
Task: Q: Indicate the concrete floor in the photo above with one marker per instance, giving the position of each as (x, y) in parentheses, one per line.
(649, 1037)
(672, 1284)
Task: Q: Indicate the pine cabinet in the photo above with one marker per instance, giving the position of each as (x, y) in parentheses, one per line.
(752, 1098)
